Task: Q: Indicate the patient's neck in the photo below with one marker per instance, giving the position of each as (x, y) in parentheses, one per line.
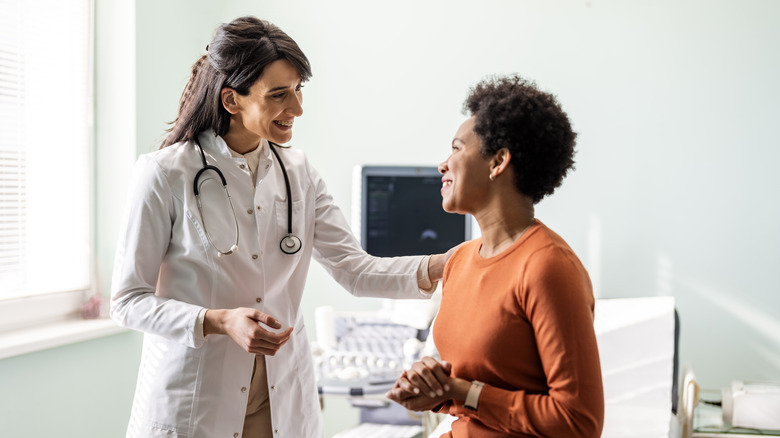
(504, 224)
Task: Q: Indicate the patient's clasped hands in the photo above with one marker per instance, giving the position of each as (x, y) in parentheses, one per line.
(428, 384)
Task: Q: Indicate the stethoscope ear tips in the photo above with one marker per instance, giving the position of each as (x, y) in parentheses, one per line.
(290, 244)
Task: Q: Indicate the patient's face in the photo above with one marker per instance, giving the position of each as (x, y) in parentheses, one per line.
(465, 173)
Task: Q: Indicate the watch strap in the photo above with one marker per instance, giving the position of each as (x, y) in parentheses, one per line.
(472, 397)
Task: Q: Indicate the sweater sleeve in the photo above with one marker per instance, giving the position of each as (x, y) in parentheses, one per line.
(558, 299)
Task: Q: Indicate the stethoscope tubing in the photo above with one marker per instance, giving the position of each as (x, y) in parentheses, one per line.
(206, 167)
(290, 244)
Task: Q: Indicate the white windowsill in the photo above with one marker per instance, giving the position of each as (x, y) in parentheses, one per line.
(56, 334)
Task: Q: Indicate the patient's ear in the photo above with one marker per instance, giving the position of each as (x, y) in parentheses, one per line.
(500, 161)
(228, 96)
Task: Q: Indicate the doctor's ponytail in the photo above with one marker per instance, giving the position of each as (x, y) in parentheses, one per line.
(185, 96)
(198, 109)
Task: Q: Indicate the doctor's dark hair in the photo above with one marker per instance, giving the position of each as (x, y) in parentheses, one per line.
(510, 112)
(235, 58)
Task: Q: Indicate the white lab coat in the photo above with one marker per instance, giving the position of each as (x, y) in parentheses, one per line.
(166, 271)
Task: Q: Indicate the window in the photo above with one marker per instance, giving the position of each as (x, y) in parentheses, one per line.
(46, 158)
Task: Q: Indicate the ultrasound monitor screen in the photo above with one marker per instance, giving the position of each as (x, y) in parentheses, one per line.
(402, 213)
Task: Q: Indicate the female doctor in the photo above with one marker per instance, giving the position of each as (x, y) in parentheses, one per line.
(218, 234)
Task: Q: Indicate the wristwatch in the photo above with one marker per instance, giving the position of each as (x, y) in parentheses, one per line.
(472, 397)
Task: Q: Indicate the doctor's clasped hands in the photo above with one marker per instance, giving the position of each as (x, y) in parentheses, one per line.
(245, 327)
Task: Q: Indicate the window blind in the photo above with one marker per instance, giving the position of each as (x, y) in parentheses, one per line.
(45, 147)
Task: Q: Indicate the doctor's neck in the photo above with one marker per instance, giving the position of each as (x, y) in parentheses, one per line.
(242, 140)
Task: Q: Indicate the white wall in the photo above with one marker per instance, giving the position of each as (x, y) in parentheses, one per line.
(675, 191)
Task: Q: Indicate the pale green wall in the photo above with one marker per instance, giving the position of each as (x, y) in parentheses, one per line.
(82, 390)
(674, 192)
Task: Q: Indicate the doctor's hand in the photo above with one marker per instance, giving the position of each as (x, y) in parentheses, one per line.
(243, 325)
(438, 261)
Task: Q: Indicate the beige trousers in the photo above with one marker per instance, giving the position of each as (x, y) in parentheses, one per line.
(257, 423)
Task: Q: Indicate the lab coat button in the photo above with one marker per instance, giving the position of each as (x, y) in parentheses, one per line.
(243, 389)
(254, 256)
(259, 208)
(241, 166)
(235, 435)
(273, 388)
(276, 431)
(249, 210)
(267, 166)
(259, 300)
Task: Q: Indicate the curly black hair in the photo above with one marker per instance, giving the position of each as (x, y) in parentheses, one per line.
(510, 112)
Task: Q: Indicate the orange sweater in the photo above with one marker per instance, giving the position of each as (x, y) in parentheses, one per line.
(522, 322)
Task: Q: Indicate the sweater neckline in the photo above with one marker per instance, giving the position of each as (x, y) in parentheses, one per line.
(490, 260)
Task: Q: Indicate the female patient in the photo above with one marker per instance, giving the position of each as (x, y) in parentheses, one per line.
(515, 328)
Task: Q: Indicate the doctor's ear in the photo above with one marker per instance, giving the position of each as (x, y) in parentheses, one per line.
(228, 96)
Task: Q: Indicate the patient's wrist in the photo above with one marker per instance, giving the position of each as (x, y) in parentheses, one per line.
(460, 389)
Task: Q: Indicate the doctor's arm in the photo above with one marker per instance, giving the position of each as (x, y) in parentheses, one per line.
(437, 263)
(143, 242)
(340, 253)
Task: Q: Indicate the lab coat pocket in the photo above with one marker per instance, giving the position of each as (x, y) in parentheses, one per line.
(295, 225)
(167, 385)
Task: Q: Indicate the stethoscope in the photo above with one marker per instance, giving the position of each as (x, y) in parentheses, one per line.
(290, 244)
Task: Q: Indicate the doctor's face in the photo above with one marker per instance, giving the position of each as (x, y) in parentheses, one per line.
(273, 103)
(465, 173)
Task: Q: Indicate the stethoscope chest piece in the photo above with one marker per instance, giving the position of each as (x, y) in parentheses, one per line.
(290, 244)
